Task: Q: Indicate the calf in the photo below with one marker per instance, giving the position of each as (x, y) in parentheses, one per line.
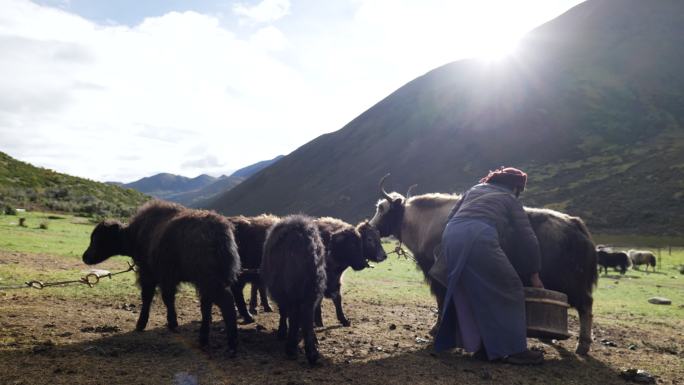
(346, 246)
(293, 269)
(250, 234)
(171, 244)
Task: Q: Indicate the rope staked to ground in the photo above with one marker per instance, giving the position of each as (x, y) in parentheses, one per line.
(91, 279)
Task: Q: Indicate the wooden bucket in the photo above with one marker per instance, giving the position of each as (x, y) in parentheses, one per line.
(547, 314)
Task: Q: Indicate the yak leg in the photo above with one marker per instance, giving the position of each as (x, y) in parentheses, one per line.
(337, 300)
(292, 333)
(264, 298)
(240, 301)
(147, 286)
(205, 306)
(310, 342)
(318, 317)
(169, 297)
(282, 325)
(226, 302)
(440, 292)
(253, 297)
(586, 318)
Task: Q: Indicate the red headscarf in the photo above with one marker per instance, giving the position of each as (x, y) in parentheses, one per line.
(507, 176)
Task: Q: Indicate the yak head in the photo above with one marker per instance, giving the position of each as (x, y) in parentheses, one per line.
(106, 240)
(347, 248)
(372, 245)
(389, 211)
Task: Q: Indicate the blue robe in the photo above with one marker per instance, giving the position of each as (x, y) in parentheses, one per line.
(486, 291)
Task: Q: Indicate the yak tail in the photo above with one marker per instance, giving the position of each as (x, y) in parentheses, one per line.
(589, 250)
(228, 259)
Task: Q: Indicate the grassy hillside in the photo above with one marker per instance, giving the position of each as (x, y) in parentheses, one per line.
(25, 186)
(592, 106)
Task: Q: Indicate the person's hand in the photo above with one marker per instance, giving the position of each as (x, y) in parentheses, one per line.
(535, 281)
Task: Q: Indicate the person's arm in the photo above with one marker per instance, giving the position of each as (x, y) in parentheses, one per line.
(528, 242)
(458, 205)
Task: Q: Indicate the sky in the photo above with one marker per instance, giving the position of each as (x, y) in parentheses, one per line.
(120, 90)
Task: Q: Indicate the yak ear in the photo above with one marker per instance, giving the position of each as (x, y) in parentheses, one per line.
(343, 236)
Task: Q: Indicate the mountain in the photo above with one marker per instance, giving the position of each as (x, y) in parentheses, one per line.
(205, 195)
(164, 185)
(194, 191)
(591, 105)
(26, 186)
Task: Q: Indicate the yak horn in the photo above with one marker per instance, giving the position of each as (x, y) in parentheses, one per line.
(410, 189)
(382, 188)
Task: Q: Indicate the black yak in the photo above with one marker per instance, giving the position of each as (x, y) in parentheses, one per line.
(293, 269)
(171, 244)
(642, 257)
(250, 234)
(346, 246)
(568, 254)
(614, 259)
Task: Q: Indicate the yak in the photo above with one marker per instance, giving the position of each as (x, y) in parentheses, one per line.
(293, 269)
(250, 234)
(171, 244)
(642, 257)
(346, 246)
(568, 253)
(615, 259)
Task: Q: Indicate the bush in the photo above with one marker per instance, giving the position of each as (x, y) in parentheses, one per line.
(9, 210)
(43, 225)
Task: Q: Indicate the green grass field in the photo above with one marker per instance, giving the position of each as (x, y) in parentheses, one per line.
(394, 281)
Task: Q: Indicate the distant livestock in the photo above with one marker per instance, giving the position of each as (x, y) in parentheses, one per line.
(346, 246)
(642, 257)
(615, 259)
(171, 244)
(250, 234)
(293, 269)
(568, 254)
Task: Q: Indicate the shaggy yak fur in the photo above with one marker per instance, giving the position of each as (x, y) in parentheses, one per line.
(250, 234)
(568, 254)
(171, 244)
(642, 257)
(346, 246)
(614, 259)
(293, 269)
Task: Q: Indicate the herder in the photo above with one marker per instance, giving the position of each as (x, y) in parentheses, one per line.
(485, 289)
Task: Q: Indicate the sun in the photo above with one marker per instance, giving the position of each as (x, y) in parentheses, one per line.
(495, 44)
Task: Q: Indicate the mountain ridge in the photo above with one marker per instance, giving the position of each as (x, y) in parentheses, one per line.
(576, 107)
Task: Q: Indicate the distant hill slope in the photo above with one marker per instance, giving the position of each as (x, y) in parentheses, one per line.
(193, 192)
(592, 106)
(203, 196)
(26, 186)
(164, 185)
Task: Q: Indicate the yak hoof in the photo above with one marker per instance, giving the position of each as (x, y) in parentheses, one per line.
(253, 310)
(313, 357)
(247, 319)
(290, 353)
(231, 352)
(267, 309)
(139, 329)
(345, 322)
(582, 349)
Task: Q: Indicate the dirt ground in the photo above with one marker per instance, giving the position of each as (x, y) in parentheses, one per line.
(59, 339)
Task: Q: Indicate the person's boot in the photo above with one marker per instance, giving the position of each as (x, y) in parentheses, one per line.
(528, 357)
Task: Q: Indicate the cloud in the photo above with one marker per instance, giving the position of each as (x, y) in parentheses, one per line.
(207, 162)
(119, 101)
(264, 12)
